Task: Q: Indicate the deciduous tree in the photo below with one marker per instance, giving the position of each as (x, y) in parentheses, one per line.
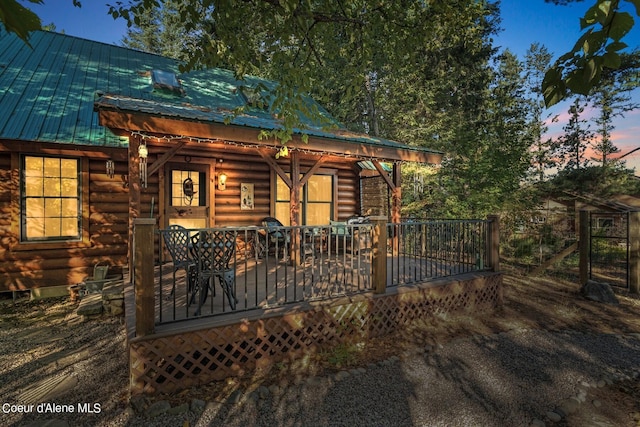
(604, 26)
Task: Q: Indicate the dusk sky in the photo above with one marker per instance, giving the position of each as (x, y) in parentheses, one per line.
(523, 22)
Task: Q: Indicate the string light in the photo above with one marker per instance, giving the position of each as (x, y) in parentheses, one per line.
(170, 138)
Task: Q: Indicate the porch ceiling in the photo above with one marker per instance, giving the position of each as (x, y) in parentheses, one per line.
(186, 121)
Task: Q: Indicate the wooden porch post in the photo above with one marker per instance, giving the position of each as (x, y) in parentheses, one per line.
(493, 242)
(294, 204)
(395, 185)
(143, 275)
(379, 246)
(584, 243)
(634, 252)
(396, 194)
(134, 191)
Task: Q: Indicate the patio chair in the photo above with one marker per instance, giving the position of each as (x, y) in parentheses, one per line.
(276, 238)
(212, 251)
(344, 236)
(176, 240)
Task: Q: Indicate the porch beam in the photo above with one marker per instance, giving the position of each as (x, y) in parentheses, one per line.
(383, 174)
(265, 154)
(312, 171)
(135, 121)
(160, 161)
(395, 185)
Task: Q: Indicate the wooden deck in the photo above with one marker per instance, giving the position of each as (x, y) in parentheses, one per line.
(276, 320)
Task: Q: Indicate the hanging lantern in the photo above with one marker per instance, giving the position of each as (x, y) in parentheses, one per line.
(187, 189)
(111, 168)
(143, 153)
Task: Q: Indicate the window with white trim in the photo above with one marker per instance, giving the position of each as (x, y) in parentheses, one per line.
(50, 199)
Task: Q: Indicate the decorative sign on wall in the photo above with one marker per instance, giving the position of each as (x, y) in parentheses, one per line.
(246, 196)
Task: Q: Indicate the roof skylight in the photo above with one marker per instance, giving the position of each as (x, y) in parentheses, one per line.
(166, 80)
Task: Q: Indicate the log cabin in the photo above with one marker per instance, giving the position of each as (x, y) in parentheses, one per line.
(94, 135)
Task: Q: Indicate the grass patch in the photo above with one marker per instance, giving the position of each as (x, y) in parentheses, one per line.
(342, 355)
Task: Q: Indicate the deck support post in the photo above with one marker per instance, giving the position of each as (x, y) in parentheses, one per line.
(379, 246)
(294, 203)
(634, 252)
(143, 250)
(134, 190)
(493, 242)
(584, 244)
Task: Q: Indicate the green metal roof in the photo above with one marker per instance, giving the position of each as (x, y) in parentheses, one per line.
(48, 93)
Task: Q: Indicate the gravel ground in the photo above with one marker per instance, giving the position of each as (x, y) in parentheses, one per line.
(503, 379)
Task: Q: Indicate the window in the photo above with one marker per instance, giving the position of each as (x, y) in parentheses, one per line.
(50, 199)
(179, 183)
(187, 201)
(316, 200)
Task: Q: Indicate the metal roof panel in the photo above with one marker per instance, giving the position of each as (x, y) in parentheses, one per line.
(47, 93)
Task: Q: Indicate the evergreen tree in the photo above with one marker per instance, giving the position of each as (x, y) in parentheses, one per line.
(144, 34)
(537, 61)
(373, 70)
(612, 98)
(571, 147)
(160, 30)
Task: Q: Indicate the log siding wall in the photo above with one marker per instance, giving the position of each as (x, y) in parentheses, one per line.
(25, 265)
(105, 227)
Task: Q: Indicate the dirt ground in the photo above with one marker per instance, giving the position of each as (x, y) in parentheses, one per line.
(549, 302)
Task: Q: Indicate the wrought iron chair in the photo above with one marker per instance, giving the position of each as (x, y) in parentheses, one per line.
(212, 251)
(276, 238)
(176, 240)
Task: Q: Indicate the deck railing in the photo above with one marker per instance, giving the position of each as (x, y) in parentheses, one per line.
(424, 250)
(306, 263)
(270, 267)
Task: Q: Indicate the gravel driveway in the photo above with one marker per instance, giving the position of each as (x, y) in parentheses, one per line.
(505, 379)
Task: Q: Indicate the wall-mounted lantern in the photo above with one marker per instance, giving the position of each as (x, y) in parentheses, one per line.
(222, 179)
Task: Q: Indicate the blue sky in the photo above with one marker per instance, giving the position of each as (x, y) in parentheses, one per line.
(558, 28)
(523, 22)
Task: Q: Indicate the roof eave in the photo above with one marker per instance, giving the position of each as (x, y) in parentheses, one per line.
(115, 120)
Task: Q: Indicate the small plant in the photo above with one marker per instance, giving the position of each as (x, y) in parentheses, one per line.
(343, 355)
